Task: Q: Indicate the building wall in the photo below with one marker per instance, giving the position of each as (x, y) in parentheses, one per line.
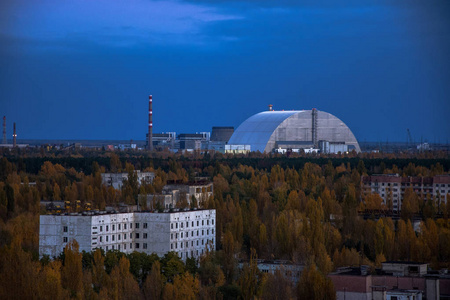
(393, 186)
(186, 233)
(116, 179)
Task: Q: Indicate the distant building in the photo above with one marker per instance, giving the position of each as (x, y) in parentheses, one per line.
(395, 280)
(392, 187)
(173, 193)
(221, 134)
(296, 129)
(187, 232)
(116, 179)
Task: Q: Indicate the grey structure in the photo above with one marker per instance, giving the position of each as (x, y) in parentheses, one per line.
(188, 233)
(269, 130)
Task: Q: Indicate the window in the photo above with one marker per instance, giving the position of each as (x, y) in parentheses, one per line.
(124, 236)
(107, 228)
(124, 246)
(187, 234)
(65, 239)
(197, 223)
(118, 237)
(131, 225)
(171, 246)
(197, 242)
(192, 244)
(203, 232)
(137, 226)
(131, 246)
(176, 225)
(181, 224)
(187, 224)
(65, 229)
(101, 228)
(145, 236)
(203, 241)
(114, 227)
(145, 225)
(197, 232)
(100, 239)
(181, 245)
(125, 226)
(137, 235)
(212, 231)
(171, 236)
(118, 226)
(113, 237)
(144, 245)
(171, 226)
(131, 235)
(106, 248)
(187, 244)
(212, 221)
(192, 223)
(107, 238)
(113, 247)
(176, 235)
(207, 222)
(118, 247)
(203, 222)
(181, 235)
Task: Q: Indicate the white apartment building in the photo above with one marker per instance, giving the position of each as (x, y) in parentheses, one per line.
(116, 179)
(186, 232)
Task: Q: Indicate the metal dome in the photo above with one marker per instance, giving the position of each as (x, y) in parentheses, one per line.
(266, 130)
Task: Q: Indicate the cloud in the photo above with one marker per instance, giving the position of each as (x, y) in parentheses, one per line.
(112, 23)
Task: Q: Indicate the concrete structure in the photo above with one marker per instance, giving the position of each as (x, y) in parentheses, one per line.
(271, 130)
(392, 187)
(186, 232)
(238, 149)
(221, 134)
(173, 193)
(395, 279)
(193, 141)
(116, 179)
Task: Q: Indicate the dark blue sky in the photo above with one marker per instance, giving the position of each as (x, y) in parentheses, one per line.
(83, 69)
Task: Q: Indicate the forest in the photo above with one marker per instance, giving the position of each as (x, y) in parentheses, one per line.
(303, 208)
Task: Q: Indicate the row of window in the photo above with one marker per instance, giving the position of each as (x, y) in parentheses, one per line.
(119, 227)
(192, 224)
(113, 237)
(175, 245)
(118, 247)
(192, 233)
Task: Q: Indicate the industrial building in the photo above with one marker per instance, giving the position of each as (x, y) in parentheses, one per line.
(185, 232)
(392, 187)
(293, 131)
(116, 179)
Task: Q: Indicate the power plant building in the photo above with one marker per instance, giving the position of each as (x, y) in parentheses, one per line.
(294, 130)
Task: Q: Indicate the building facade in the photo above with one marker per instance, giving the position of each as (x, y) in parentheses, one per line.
(116, 179)
(392, 187)
(185, 232)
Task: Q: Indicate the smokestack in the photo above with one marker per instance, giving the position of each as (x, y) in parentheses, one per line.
(270, 107)
(14, 136)
(150, 123)
(5, 141)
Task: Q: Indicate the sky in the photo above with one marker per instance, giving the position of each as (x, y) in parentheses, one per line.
(83, 69)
